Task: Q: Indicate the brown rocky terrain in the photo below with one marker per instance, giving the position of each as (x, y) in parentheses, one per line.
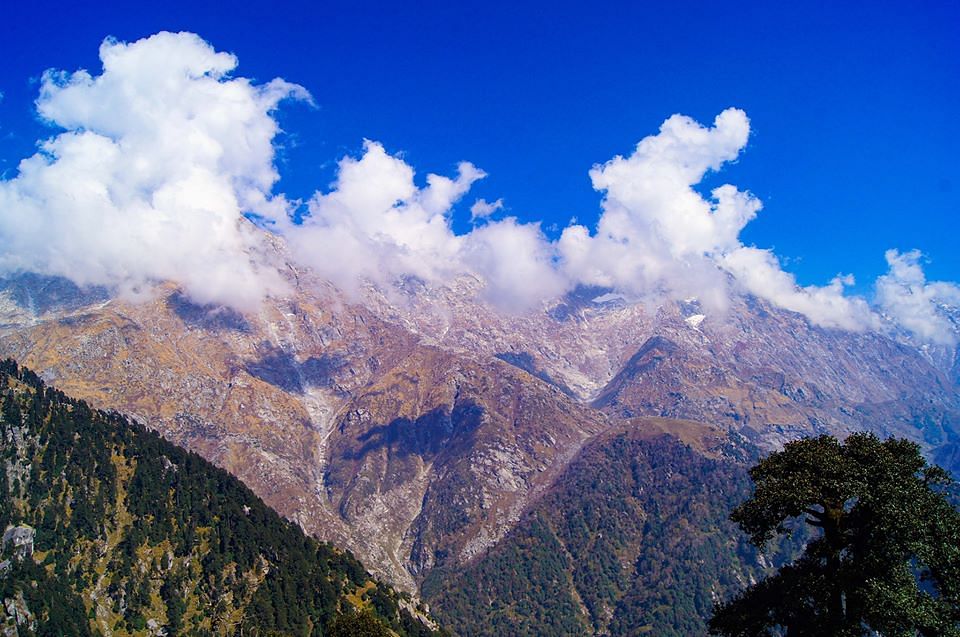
(755, 368)
(406, 453)
(418, 427)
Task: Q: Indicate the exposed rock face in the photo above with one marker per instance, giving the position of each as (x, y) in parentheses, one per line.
(775, 377)
(416, 429)
(754, 368)
(17, 615)
(634, 538)
(406, 453)
(21, 539)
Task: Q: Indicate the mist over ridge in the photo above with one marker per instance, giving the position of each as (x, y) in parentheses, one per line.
(165, 171)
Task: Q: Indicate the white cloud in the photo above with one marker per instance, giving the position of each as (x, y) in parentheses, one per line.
(759, 272)
(516, 261)
(483, 209)
(376, 224)
(658, 235)
(161, 155)
(164, 152)
(904, 295)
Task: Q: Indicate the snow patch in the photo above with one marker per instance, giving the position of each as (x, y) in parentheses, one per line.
(609, 296)
(695, 320)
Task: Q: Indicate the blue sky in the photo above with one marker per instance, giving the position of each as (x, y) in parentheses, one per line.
(853, 106)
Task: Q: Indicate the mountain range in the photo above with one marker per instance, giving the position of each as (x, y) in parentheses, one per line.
(564, 471)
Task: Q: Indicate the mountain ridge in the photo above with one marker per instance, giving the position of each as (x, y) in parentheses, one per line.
(419, 427)
(121, 532)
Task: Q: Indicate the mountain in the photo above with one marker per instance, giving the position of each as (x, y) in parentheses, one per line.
(761, 370)
(112, 530)
(425, 431)
(323, 408)
(634, 537)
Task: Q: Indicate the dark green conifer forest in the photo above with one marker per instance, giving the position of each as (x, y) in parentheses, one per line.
(134, 534)
(633, 540)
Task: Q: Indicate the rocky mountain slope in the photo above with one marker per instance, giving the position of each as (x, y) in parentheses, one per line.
(419, 427)
(633, 538)
(322, 408)
(111, 530)
(756, 368)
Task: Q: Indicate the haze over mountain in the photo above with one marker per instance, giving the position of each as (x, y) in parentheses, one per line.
(427, 398)
(165, 156)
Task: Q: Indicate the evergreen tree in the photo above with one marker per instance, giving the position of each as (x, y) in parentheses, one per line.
(357, 624)
(116, 507)
(886, 558)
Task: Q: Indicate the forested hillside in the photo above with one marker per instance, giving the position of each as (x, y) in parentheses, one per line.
(113, 530)
(633, 539)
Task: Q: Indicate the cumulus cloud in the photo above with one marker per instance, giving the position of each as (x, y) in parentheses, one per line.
(657, 234)
(160, 156)
(759, 272)
(921, 307)
(163, 156)
(375, 224)
(483, 209)
(657, 237)
(516, 261)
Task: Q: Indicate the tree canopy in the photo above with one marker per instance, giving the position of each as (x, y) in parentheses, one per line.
(885, 557)
(130, 528)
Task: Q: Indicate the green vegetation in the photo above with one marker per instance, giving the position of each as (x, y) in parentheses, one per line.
(886, 559)
(362, 624)
(135, 534)
(634, 539)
